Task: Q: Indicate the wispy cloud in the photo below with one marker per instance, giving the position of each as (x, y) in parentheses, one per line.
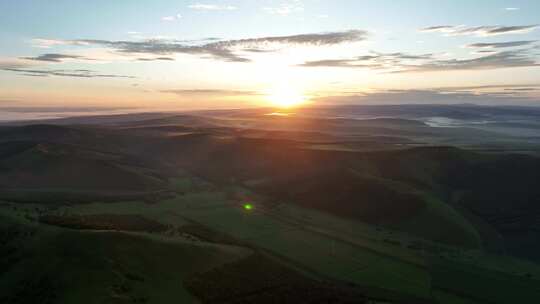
(171, 18)
(155, 59)
(54, 57)
(373, 60)
(78, 73)
(534, 86)
(286, 8)
(523, 89)
(49, 43)
(14, 63)
(506, 59)
(511, 8)
(498, 45)
(8, 101)
(479, 30)
(212, 7)
(227, 50)
(211, 92)
(449, 95)
(166, 47)
(409, 63)
(328, 38)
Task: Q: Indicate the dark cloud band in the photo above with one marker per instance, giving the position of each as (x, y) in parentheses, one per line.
(479, 30)
(54, 57)
(402, 63)
(64, 73)
(227, 50)
(498, 45)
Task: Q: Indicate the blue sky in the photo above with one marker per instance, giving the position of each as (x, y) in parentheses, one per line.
(188, 54)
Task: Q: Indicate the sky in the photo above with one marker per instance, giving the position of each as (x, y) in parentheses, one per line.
(184, 55)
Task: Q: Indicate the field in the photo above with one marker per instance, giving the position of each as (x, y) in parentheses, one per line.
(119, 222)
(56, 265)
(382, 262)
(447, 225)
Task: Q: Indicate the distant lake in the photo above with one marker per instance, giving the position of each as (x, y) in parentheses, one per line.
(445, 122)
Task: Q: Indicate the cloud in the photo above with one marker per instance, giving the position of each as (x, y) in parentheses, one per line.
(407, 63)
(493, 86)
(11, 63)
(49, 43)
(53, 109)
(156, 59)
(523, 89)
(8, 101)
(285, 9)
(506, 59)
(479, 30)
(165, 47)
(438, 28)
(485, 52)
(212, 7)
(373, 60)
(53, 57)
(327, 38)
(79, 73)
(511, 8)
(227, 50)
(171, 18)
(498, 45)
(46, 43)
(210, 92)
(348, 63)
(430, 96)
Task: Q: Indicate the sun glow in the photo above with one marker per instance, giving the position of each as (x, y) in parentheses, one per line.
(286, 97)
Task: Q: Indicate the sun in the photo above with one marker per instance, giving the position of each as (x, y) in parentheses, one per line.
(285, 97)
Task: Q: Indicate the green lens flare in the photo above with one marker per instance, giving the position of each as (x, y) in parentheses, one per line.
(248, 206)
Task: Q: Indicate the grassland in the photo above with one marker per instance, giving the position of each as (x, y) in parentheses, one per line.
(117, 222)
(377, 259)
(57, 265)
(161, 216)
(261, 279)
(446, 225)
